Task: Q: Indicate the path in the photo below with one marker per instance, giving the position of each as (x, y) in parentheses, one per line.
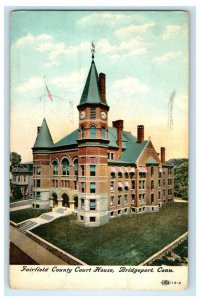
(32, 249)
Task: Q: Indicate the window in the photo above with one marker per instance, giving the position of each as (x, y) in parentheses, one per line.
(65, 166)
(39, 170)
(24, 178)
(133, 184)
(92, 204)
(82, 132)
(163, 192)
(119, 199)
(82, 203)
(111, 156)
(92, 170)
(55, 167)
(92, 187)
(120, 174)
(38, 195)
(163, 181)
(103, 132)
(112, 213)
(159, 195)
(93, 113)
(125, 199)
(37, 206)
(92, 219)
(82, 170)
(112, 198)
(92, 131)
(152, 171)
(119, 211)
(112, 185)
(75, 185)
(81, 218)
(152, 184)
(133, 198)
(159, 183)
(38, 182)
(82, 187)
(55, 183)
(76, 167)
(152, 198)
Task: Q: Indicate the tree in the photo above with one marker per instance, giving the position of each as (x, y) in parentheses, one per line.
(181, 180)
(17, 194)
(15, 158)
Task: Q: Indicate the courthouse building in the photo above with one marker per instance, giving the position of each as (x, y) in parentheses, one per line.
(99, 172)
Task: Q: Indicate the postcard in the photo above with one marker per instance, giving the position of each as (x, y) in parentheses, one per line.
(99, 150)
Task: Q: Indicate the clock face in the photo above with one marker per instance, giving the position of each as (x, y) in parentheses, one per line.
(82, 115)
(103, 115)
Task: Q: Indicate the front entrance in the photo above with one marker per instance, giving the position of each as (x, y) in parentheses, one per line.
(65, 201)
(55, 200)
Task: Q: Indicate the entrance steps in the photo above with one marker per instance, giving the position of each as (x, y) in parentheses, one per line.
(44, 218)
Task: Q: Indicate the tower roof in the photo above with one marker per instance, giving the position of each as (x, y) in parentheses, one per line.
(91, 92)
(44, 139)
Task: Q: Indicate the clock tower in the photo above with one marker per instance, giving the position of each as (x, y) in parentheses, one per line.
(93, 144)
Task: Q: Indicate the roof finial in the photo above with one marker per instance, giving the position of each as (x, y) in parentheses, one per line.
(92, 50)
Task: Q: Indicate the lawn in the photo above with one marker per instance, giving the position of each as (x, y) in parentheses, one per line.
(123, 241)
(24, 214)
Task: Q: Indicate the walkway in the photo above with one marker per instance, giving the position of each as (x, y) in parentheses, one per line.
(32, 249)
(20, 205)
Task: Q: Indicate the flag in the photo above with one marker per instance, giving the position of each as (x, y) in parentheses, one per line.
(49, 94)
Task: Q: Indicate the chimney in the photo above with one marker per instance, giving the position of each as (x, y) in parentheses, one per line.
(162, 155)
(119, 125)
(140, 134)
(102, 86)
(38, 129)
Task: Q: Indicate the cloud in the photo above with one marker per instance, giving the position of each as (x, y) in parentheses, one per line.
(166, 57)
(33, 83)
(129, 86)
(106, 17)
(172, 31)
(58, 50)
(121, 51)
(72, 82)
(128, 31)
(30, 39)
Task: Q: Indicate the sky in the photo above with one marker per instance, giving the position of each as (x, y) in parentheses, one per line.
(144, 55)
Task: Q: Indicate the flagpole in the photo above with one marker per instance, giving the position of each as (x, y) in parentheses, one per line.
(44, 98)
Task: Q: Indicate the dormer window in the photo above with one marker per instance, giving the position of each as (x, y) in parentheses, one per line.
(93, 113)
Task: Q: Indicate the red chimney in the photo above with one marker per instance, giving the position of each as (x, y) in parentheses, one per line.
(119, 125)
(140, 134)
(102, 86)
(162, 156)
(38, 129)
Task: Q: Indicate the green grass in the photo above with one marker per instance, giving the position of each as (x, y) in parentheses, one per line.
(123, 241)
(24, 214)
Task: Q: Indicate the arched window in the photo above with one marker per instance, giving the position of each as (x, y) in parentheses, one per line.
(65, 166)
(76, 166)
(103, 132)
(55, 167)
(92, 131)
(82, 132)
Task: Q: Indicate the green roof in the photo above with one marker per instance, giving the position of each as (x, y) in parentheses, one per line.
(133, 150)
(91, 92)
(152, 161)
(44, 139)
(70, 139)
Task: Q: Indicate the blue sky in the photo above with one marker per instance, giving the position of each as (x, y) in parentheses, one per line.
(143, 54)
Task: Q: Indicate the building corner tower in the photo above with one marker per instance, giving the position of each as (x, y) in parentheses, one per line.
(92, 151)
